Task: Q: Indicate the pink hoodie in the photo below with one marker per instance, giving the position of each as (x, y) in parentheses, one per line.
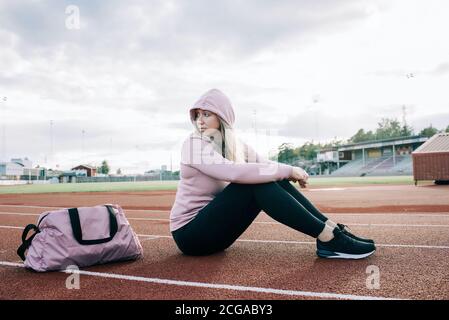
(205, 172)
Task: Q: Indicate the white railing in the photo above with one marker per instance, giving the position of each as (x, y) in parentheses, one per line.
(22, 182)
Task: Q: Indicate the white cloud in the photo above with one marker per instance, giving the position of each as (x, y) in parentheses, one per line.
(133, 69)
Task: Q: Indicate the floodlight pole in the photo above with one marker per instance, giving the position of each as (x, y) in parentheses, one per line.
(3, 155)
(82, 146)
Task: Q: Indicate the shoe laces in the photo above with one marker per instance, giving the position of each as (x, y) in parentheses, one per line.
(346, 240)
(346, 228)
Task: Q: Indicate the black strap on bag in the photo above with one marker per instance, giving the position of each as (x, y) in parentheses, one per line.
(27, 242)
(78, 234)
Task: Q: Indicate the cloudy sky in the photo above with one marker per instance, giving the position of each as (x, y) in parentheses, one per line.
(91, 80)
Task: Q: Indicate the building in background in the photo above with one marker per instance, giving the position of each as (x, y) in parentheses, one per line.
(372, 158)
(85, 170)
(431, 160)
(328, 161)
(15, 168)
(11, 170)
(27, 164)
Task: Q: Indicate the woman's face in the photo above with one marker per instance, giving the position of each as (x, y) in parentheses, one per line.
(206, 120)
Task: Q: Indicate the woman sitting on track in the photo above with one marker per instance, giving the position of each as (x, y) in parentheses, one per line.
(225, 184)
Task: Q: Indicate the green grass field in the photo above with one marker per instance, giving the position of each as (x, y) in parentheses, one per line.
(387, 180)
(172, 185)
(91, 187)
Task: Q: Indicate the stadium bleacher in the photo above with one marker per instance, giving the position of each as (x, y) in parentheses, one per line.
(377, 167)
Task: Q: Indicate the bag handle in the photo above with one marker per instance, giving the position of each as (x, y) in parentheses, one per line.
(27, 242)
(76, 227)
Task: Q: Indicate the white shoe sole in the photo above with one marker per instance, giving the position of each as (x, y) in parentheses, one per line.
(340, 255)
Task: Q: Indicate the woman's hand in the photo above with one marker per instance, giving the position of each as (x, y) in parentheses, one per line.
(299, 175)
(302, 184)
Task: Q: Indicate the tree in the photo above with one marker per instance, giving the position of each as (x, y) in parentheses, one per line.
(119, 171)
(104, 169)
(334, 143)
(447, 128)
(388, 128)
(308, 151)
(286, 153)
(361, 136)
(429, 131)
(407, 131)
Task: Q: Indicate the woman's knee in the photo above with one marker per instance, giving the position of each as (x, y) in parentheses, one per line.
(189, 250)
(264, 185)
(241, 188)
(194, 247)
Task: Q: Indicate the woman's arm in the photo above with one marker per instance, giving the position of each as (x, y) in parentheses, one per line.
(201, 155)
(298, 174)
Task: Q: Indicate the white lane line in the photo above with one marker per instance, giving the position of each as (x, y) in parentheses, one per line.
(57, 208)
(327, 189)
(416, 246)
(398, 225)
(19, 214)
(37, 214)
(322, 295)
(148, 238)
(148, 219)
(153, 235)
(349, 224)
(11, 227)
(22, 206)
(271, 222)
(377, 245)
(411, 214)
(361, 214)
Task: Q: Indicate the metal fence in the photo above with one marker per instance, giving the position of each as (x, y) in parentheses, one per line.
(83, 179)
(127, 178)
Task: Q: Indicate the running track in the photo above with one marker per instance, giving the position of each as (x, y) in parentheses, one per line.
(269, 261)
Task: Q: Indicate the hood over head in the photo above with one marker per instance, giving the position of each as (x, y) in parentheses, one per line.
(228, 144)
(217, 102)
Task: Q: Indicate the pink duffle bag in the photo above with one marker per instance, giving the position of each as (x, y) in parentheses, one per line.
(79, 237)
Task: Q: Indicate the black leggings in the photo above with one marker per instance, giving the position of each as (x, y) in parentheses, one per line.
(219, 224)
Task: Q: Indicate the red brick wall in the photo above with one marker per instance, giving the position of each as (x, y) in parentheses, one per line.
(431, 166)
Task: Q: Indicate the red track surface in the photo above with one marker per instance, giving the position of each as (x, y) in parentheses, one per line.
(276, 258)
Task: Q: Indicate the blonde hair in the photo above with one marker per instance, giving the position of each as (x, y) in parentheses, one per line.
(227, 143)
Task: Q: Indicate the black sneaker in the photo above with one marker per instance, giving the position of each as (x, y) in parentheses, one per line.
(346, 231)
(344, 247)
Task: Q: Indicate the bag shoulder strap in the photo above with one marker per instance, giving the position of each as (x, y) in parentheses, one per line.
(78, 234)
(27, 242)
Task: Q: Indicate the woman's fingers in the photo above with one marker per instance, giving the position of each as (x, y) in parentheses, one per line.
(302, 183)
(299, 174)
(303, 174)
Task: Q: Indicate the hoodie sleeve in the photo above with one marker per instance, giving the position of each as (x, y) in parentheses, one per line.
(200, 154)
